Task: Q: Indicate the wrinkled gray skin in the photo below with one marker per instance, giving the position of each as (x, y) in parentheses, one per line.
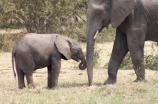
(135, 21)
(34, 51)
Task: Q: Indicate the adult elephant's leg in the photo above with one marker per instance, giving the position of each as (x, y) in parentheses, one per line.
(136, 48)
(119, 51)
(53, 73)
(20, 75)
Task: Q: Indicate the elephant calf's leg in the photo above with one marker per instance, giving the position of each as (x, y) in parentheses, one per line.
(49, 76)
(20, 75)
(53, 74)
(29, 79)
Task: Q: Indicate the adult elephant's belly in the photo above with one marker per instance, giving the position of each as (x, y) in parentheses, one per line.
(152, 33)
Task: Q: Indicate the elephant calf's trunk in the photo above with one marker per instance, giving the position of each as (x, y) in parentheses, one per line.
(82, 65)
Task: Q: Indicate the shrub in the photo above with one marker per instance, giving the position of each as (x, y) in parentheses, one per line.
(8, 40)
(151, 62)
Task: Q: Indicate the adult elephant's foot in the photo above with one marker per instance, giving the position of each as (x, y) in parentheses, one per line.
(140, 80)
(110, 81)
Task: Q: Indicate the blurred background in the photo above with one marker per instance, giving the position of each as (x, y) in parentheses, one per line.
(65, 17)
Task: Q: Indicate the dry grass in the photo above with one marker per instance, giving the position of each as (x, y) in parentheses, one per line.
(73, 85)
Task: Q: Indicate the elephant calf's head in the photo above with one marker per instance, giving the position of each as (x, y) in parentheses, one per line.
(70, 49)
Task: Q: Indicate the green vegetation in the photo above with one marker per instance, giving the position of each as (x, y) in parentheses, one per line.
(42, 16)
(107, 35)
(151, 62)
(127, 62)
(8, 40)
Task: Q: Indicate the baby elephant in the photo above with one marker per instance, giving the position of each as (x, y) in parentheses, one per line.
(34, 51)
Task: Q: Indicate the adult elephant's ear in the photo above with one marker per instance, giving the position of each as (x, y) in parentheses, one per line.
(63, 47)
(120, 10)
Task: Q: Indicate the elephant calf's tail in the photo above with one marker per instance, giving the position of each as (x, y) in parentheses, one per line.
(13, 65)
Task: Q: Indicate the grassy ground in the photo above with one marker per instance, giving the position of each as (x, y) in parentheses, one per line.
(73, 85)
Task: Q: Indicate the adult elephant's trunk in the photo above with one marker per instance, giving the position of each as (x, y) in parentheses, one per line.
(82, 65)
(93, 25)
(89, 54)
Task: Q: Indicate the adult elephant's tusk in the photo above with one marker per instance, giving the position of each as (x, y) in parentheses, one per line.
(96, 34)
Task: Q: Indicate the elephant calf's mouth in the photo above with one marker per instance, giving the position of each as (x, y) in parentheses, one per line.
(75, 58)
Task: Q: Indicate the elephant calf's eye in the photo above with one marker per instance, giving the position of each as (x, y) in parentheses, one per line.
(78, 53)
(97, 12)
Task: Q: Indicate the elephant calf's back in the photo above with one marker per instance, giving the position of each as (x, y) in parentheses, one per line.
(34, 50)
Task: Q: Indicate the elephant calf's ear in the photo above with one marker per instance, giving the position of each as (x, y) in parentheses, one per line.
(63, 46)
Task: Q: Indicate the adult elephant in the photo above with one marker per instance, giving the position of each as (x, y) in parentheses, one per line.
(135, 21)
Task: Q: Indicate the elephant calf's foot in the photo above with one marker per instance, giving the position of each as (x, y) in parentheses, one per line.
(52, 86)
(110, 81)
(21, 86)
(55, 87)
(31, 86)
